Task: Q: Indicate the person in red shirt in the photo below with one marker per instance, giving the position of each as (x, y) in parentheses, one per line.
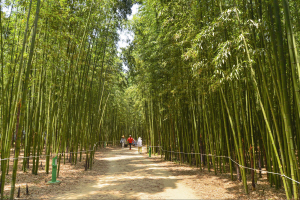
(130, 140)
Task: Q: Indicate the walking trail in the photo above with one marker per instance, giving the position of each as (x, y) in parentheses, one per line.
(124, 174)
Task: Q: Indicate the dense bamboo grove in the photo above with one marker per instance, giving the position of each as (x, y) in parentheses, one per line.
(219, 77)
(59, 68)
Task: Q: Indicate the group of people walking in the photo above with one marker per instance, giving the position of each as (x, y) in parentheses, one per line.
(131, 141)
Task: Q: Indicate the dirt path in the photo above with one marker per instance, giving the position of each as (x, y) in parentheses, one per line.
(126, 174)
(123, 174)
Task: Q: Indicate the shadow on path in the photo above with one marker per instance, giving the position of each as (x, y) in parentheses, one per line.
(122, 173)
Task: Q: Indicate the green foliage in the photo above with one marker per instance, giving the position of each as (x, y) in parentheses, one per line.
(221, 78)
(61, 73)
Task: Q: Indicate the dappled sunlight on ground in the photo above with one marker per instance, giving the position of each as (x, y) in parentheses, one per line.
(121, 157)
(123, 174)
(134, 176)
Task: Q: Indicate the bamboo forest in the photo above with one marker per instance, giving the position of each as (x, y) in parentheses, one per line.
(217, 79)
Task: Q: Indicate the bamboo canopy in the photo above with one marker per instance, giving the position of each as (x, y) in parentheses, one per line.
(59, 69)
(213, 78)
(220, 78)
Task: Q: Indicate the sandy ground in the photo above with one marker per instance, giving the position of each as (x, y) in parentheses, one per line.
(124, 174)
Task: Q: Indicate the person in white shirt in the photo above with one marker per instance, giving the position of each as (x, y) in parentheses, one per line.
(140, 145)
(123, 140)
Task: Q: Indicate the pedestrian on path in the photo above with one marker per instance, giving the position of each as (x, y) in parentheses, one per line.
(130, 140)
(123, 140)
(134, 142)
(140, 145)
